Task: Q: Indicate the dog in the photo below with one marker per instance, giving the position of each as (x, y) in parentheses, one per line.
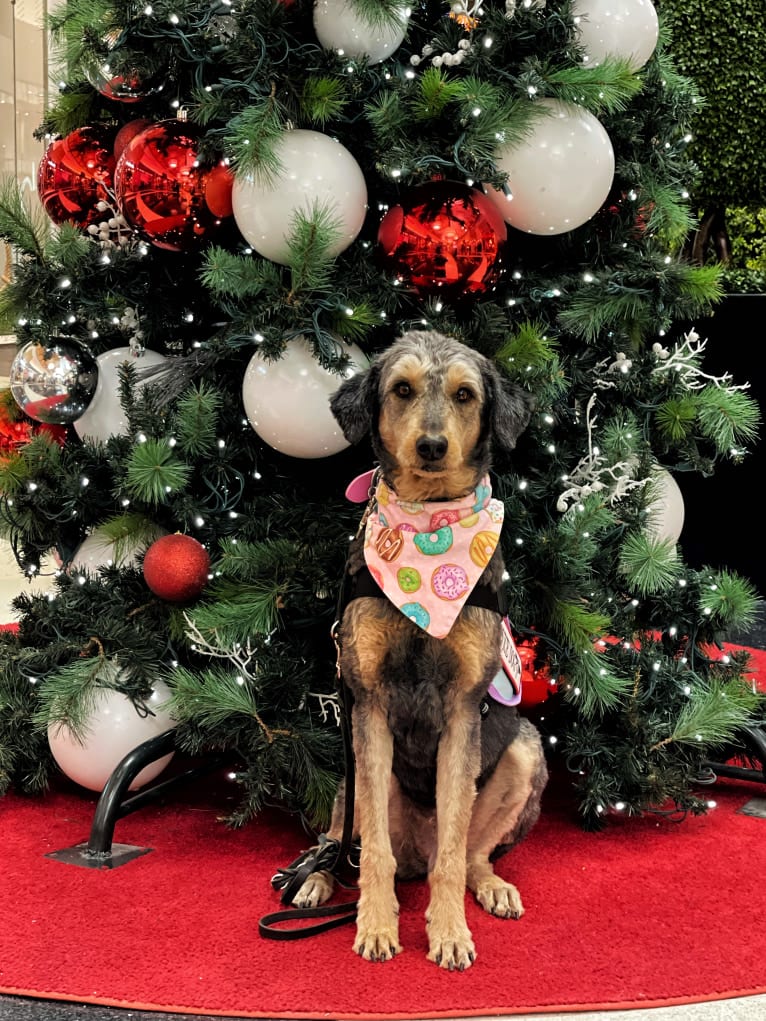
(446, 780)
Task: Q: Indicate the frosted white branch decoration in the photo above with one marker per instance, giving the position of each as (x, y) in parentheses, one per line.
(593, 475)
(240, 656)
(328, 703)
(684, 359)
(621, 365)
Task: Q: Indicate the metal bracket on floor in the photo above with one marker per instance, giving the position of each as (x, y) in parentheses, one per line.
(100, 852)
(751, 745)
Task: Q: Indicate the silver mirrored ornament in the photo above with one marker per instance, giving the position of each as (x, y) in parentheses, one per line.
(53, 382)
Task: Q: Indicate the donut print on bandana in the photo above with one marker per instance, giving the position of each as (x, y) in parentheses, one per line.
(436, 551)
(433, 544)
(449, 582)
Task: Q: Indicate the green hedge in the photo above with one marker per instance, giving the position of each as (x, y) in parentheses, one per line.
(721, 45)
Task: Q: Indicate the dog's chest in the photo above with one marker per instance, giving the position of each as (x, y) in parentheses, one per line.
(419, 680)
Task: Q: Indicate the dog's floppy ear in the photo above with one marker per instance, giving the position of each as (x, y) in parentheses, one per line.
(509, 408)
(355, 404)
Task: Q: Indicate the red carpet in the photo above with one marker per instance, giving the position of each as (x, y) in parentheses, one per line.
(647, 913)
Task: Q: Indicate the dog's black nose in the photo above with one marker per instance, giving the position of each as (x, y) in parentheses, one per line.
(431, 448)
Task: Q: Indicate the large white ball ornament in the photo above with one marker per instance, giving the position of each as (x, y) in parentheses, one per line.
(113, 729)
(665, 513)
(559, 175)
(340, 27)
(287, 401)
(316, 172)
(104, 416)
(616, 28)
(99, 550)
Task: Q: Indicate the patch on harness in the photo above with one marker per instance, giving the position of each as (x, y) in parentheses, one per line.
(506, 686)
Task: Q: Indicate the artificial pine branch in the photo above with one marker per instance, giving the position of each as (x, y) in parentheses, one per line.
(323, 99)
(594, 687)
(225, 273)
(153, 472)
(608, 88)
(713, 715)
(730, 418)
(196, 419)
(251, 139)
(728, 601)
(649, 565)
(312, 235)
(26, 231)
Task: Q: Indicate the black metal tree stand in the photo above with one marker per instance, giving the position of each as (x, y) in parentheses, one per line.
(100, 851)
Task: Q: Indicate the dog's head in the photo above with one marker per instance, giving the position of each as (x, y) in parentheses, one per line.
(435, 409)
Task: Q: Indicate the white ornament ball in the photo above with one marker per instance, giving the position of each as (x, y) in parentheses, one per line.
(99, 550)
(287, 401)
(665, 514)
(616, 28)
(559, 175)
(113, 729)
(104, 416)
(316, 172)
(339, 26)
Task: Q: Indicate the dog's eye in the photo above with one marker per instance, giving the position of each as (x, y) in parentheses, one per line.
(464, 394)
(403, 390)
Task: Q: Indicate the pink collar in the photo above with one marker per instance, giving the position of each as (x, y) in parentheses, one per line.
(427, 557)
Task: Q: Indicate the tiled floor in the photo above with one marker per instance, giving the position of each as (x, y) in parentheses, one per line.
(751, 1008)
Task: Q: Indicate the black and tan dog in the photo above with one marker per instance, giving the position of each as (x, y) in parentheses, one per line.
(446, 780)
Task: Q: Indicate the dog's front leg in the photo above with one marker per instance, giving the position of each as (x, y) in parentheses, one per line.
(377, 924)
(457, 766)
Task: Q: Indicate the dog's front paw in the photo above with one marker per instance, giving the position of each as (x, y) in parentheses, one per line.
(377, 939)
(452, 950)
(377, 945)
(315, 891)
(499, 898)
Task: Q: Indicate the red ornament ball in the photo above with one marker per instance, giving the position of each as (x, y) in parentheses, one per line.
(161, 187)
(536, 684)
(443, 238)
(176, 568)
(128, 132)
(75, 174)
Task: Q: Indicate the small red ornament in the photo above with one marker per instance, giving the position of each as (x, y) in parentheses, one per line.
(16, 430)
(161, 187)
(128, 132)
(443, 238)
(75, 174)
(176, 568)
(218, 189)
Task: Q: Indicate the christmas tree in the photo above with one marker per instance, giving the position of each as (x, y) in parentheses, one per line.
(244, 201)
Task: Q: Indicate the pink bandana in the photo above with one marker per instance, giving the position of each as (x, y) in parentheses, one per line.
(427, 557)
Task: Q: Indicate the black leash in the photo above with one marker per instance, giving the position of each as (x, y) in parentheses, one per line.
(333, 856)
